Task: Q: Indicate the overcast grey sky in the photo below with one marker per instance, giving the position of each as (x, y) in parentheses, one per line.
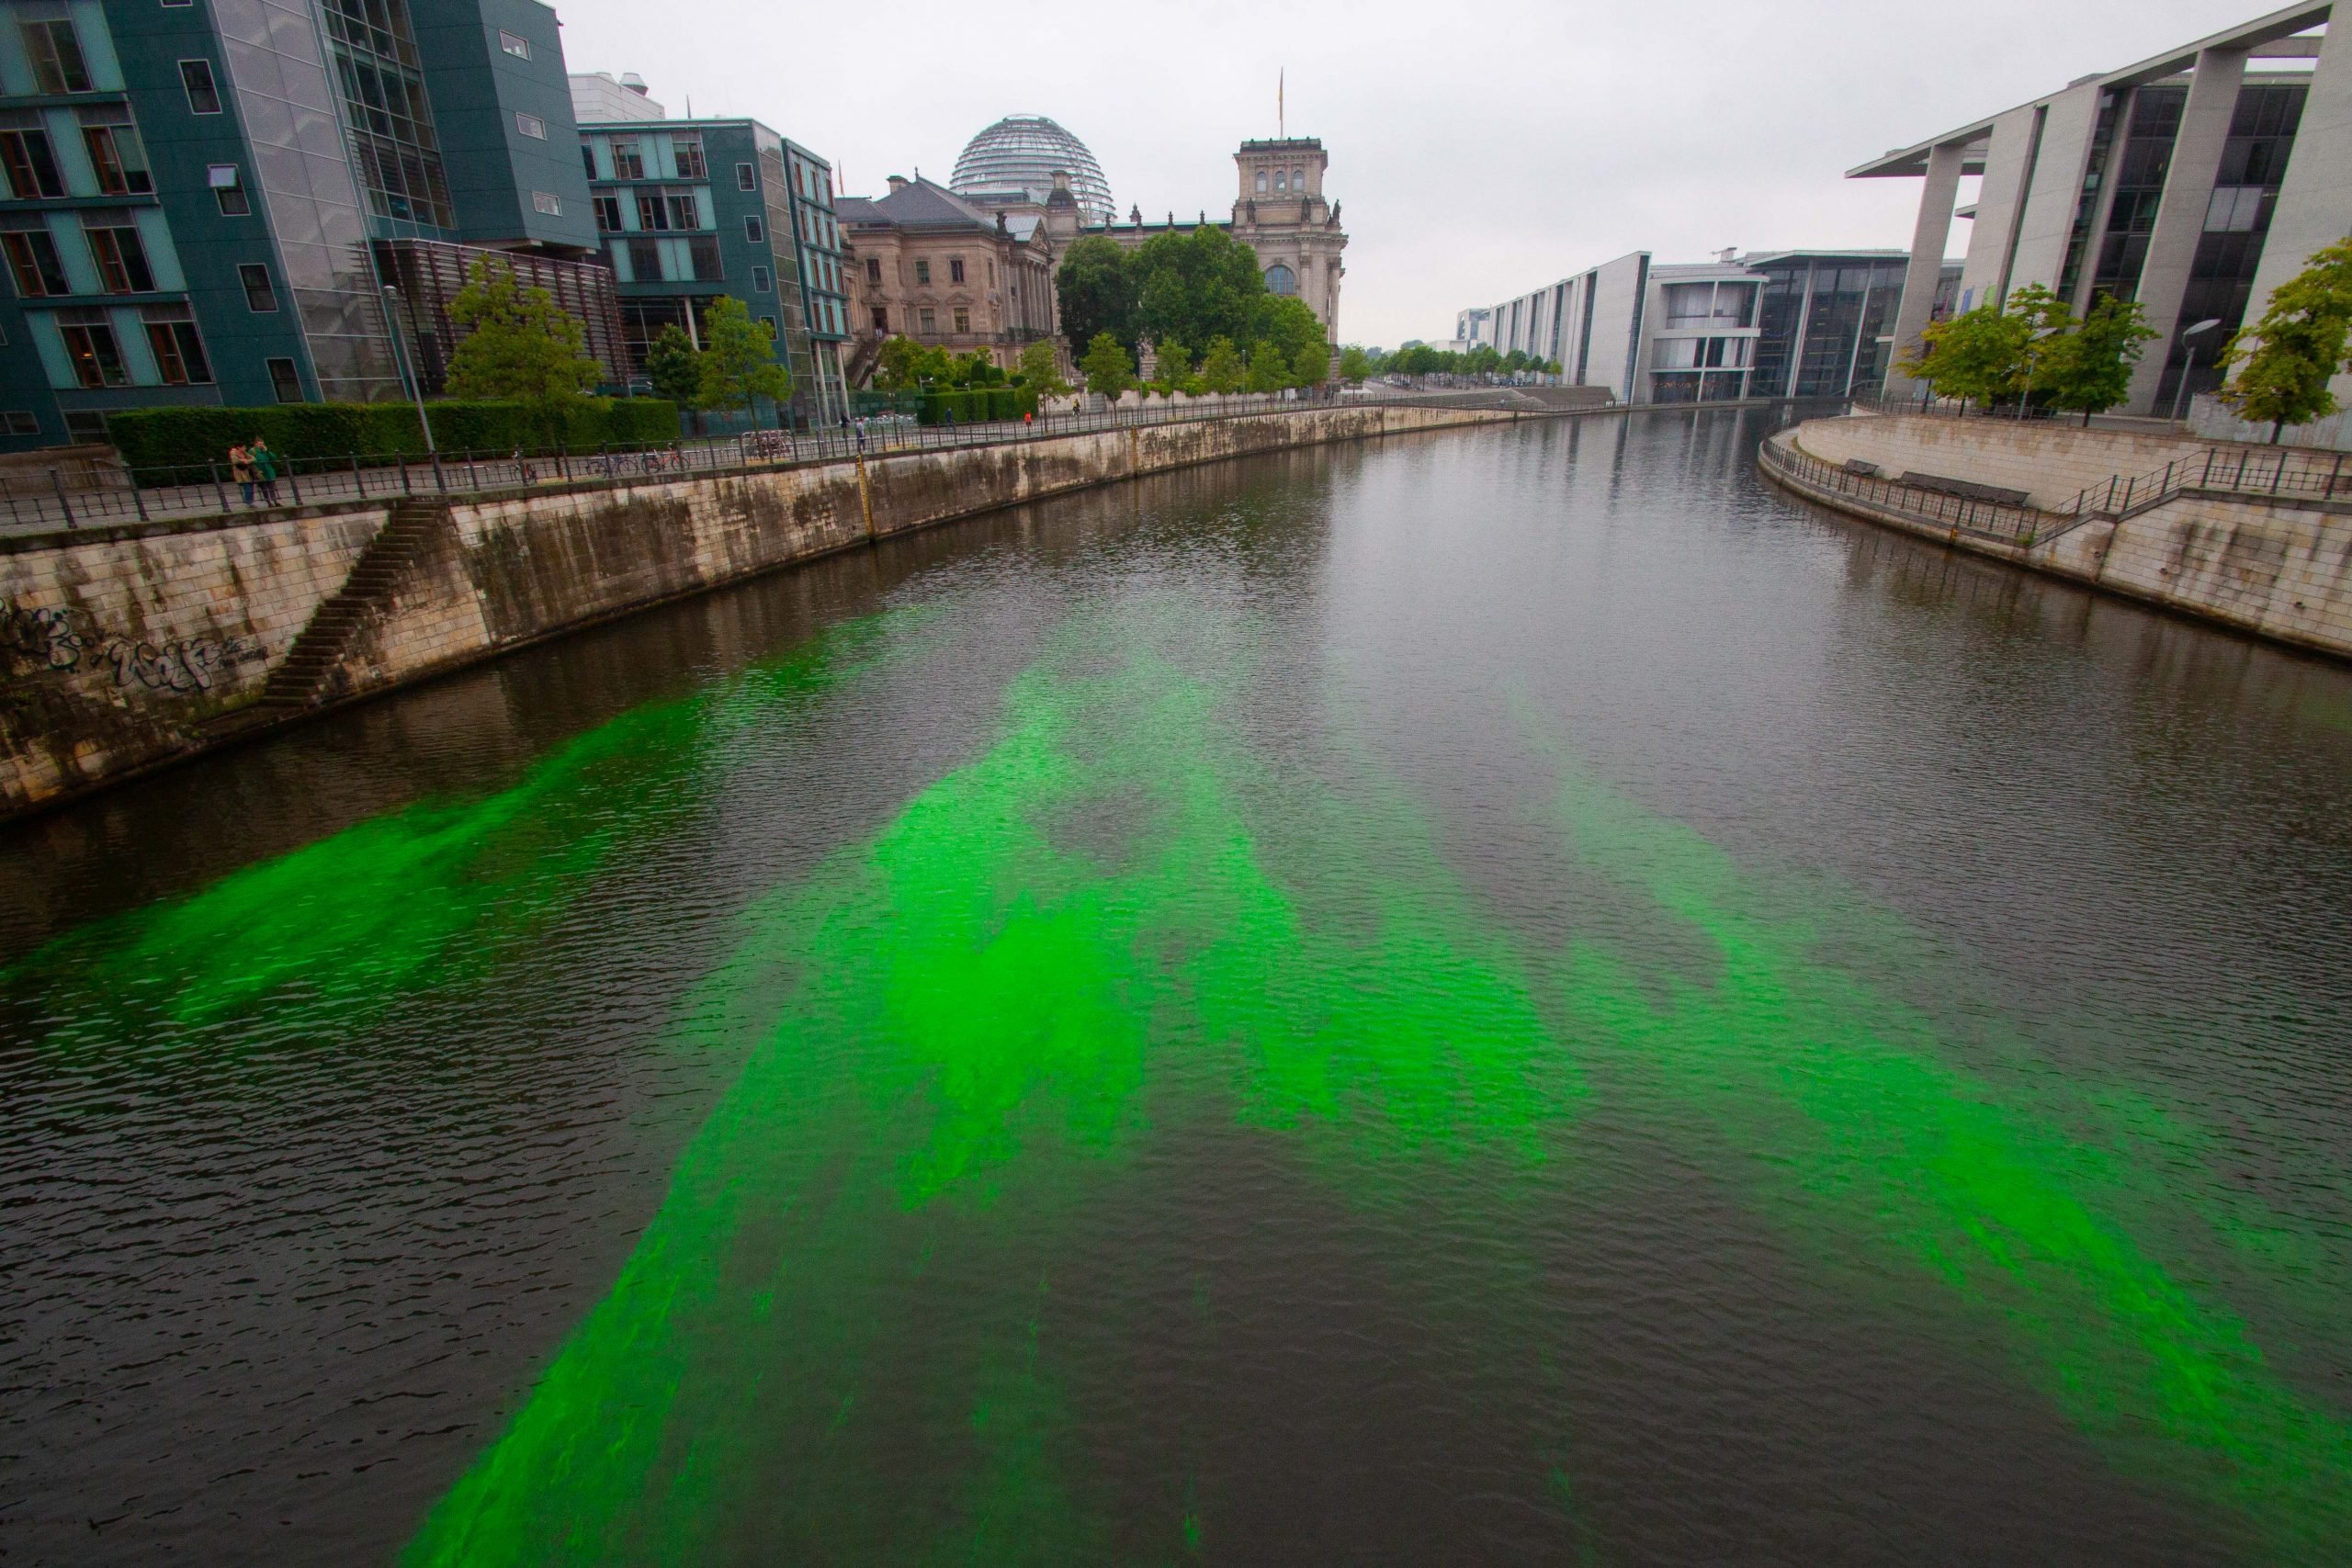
(1479, 149)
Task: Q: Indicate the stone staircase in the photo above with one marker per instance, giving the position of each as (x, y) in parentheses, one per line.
(300, 677)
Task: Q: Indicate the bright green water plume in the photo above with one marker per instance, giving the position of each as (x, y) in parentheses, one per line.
(435, 893)
(1866, 1139)
(989, 996)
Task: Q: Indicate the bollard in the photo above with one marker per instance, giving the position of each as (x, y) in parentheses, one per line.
(57, 483)
(401, 459)
(358, 479)
(290, 484)
(216, 486)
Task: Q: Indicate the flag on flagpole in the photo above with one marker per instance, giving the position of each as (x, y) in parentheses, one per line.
(1281, 123)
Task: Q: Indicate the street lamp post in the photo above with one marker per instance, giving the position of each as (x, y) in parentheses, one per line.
(400, 360)
(2188, 371)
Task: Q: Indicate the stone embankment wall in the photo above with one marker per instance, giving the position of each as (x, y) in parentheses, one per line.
(124, 648)
(2279, 569)
(2052, 462)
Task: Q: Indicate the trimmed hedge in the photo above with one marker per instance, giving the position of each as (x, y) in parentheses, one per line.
(193, 438)
(977, 404)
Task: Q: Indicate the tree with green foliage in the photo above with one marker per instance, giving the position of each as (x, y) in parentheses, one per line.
(1106, 366)
(519, 346)
(2089, 368)
(1097, 290)
(1355, 365)
(675, 366)
(1041, 370)
(1195, 286)
(1980, 355)
(739, 363)
(906, 365)
(1269, 372)
(1222, 367)
(1175, 363)
(2281, 365)
(1311, 366)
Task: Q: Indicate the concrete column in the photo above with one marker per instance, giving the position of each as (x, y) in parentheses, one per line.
(1926, 268)
(2314, 207)
(2180, 219)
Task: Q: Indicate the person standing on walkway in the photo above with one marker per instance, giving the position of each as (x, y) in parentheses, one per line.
(240, 469)
(265, 463)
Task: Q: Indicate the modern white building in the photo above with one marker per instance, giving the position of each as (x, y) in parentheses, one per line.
(599, 97)
(1768, 324)
(1472, 328)
(2195, 181)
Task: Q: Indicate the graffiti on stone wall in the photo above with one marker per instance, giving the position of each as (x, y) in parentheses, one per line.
(58, 640)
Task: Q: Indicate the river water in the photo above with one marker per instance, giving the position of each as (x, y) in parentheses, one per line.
(1500, 997)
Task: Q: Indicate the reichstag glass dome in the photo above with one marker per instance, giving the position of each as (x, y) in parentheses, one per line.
(1021, 153)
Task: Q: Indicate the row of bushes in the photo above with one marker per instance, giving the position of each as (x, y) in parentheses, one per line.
(183, 437)
(977, 404)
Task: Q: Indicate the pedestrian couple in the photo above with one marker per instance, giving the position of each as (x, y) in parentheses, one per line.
(254, 467)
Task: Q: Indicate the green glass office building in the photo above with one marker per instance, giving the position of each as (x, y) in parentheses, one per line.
(693, 210)
(204, 197)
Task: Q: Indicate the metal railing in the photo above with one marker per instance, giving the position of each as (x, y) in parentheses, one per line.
(2286, 471)
(185, 492)
(1995, 520)
(2242, 472)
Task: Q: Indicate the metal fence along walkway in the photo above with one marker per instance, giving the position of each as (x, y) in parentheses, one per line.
(183, 492)
(2288, 473)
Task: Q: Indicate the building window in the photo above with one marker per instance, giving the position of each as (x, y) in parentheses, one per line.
(121, 259)
(196, 80)
(955, 269)
(179, 353)
(629, 162)
(684, 212)
(881, 320)
(32, 262)
(588, 158)
(650, 213)
(745, 178)
(546, 202)
(2234, 210)
(930, 319)
(874, 269)
(260, 297)
(687, 150)
(704, 254)
(922, 271)
(1298, 181)
(24, 422)
(1280, 279)
(517, 47)
(228, 189)
(1262, 181)
(56, 56)
(116, 154)
(762, 282)
(31, 165)
(769, 323)
(963, 319)
(753, 229)
(91, 349)
(531, 125)
(608, 213)
(286, 380)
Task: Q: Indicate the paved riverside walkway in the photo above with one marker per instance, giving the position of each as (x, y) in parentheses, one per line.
(194, 495)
